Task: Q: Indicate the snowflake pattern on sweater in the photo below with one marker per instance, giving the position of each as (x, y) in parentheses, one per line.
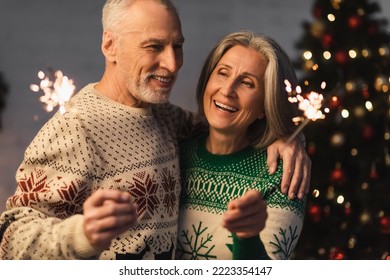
(210, 182)
(98, 143)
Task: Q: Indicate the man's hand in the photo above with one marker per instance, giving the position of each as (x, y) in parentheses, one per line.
(296, 166)
(246, 215)
(108, 213)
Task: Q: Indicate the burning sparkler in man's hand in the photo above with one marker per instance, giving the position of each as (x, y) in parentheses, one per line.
(310, 105)
(57, 92)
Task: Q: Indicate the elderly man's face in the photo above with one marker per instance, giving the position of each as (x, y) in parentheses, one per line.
(149, 53)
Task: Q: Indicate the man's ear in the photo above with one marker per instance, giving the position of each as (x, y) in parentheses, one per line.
(109, 46)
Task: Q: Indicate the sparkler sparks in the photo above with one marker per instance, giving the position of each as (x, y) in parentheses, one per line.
(57, 92)
(311, 106)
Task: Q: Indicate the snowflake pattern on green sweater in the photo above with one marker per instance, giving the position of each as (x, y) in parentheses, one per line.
(210, 182)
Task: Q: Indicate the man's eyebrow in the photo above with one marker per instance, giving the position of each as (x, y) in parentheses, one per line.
(152, 41)
(159, 41)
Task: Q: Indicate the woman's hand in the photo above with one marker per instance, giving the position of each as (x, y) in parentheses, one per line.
(246, 215)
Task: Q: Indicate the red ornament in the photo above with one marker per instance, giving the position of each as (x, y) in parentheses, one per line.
(315, 213)
(373, 173)
(341, 57)
(311, 149)
(354, 22)
(368, 132)
(327, 40)
(384, 224)
(365, 93)
(336, 254)
(347, 211)
(337, 175)
(334, 102)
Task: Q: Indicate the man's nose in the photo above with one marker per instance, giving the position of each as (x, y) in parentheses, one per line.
(171, 59)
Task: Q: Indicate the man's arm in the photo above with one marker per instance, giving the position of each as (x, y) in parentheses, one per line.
(45, 212)
(296, 166)
(185, 124)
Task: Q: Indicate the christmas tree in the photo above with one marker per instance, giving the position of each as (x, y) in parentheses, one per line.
(3, 93)
(347, 47)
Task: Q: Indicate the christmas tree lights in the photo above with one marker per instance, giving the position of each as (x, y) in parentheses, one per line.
(347, 46)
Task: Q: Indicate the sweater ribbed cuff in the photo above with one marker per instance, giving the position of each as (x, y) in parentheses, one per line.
(77, 239)
(251, 248)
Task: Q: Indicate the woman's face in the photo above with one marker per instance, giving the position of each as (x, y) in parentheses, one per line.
(234, 94)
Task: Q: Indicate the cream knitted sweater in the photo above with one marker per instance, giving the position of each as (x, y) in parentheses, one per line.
(97, 143)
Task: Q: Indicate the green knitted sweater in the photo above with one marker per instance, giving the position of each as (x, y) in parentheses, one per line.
(209, 183)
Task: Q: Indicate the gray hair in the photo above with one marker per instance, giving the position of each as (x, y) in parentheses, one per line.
(114, 12)
(279, 111)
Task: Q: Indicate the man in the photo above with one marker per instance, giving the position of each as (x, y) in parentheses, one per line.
(102, 181)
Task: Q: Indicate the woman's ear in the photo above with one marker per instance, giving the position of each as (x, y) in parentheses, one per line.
(108, 46)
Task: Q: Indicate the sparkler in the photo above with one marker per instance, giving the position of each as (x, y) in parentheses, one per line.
(310, 106)
(57, 92)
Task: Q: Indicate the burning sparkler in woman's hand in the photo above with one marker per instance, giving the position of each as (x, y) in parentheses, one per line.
(310, 105)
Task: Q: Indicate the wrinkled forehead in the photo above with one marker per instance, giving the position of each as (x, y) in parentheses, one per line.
(148, 16)
(154, 33)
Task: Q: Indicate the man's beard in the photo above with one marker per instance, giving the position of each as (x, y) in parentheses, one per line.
(148, 95)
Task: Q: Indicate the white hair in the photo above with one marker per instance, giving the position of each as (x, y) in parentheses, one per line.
(114, 12)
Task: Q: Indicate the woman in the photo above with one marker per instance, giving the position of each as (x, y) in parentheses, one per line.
(241, 95)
